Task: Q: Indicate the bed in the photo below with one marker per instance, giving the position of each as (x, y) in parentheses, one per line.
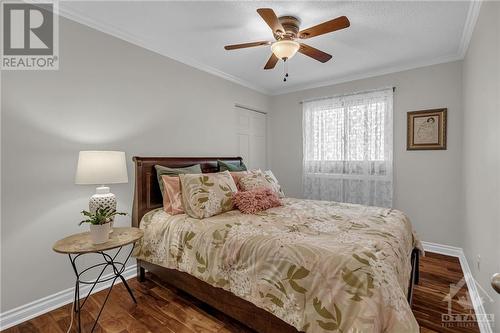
(311, 266)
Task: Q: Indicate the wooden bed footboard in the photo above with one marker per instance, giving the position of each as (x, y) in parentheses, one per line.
(237, 308)
(415, 273)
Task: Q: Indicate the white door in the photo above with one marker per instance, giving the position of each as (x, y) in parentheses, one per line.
(251, 134)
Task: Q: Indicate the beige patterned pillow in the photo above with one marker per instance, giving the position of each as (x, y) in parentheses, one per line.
(205, 195)
(257, 179)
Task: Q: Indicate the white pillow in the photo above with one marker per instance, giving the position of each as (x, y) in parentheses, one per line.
(258, 178)
(272, 178)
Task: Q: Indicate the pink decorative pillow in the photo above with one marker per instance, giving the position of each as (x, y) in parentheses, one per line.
(256, 200)
(172, 199)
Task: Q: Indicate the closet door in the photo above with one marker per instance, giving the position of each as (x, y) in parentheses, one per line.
(251, 138)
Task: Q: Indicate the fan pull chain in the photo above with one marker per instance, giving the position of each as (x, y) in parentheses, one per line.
(285, 69)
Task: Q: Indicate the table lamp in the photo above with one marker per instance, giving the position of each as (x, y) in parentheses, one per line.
(101, 168)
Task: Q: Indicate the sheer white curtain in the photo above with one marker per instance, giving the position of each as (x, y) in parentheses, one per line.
(348, 148)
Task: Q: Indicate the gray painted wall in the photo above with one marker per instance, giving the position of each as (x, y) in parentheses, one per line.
(481, 159)
(427, 184)
(107, 94)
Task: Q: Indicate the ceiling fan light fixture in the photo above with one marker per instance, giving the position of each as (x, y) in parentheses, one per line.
(285, 48)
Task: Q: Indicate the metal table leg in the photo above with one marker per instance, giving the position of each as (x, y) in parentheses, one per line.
(109, 261)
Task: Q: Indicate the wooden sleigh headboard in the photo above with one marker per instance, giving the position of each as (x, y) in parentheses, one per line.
(147, 194)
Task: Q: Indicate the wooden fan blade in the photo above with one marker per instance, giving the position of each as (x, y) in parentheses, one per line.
(244, 45)
(314, 53)
(271, 19)
(339, 23)
(271, 62)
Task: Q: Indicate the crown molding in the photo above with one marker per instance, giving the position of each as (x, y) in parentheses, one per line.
(471, 19)
(137, 40)
(365, 75)
(470, 23)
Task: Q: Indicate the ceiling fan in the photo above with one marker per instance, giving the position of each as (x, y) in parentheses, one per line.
(288, 37)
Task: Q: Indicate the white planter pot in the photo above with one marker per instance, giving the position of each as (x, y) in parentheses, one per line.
(99, 233)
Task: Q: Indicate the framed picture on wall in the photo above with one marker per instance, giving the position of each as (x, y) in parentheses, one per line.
(426, 130)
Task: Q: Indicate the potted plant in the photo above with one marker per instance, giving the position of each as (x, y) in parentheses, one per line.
(99, 223)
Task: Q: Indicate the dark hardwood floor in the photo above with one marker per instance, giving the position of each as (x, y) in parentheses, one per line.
(163, 309)
(437, 272)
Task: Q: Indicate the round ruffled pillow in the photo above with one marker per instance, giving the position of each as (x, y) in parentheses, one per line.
(256, 200)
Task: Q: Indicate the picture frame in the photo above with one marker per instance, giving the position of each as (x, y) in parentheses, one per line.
(426, 129)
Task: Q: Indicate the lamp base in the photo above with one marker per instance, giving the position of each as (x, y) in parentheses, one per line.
(101, 199)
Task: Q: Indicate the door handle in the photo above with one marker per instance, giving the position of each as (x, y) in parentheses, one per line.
(495, 282)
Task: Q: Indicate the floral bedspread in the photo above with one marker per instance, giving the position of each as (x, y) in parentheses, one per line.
(319, 266)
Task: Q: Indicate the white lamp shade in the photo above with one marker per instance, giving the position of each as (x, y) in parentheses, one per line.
(101, 167)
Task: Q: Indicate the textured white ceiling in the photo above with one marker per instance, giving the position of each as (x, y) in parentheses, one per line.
(383, 37)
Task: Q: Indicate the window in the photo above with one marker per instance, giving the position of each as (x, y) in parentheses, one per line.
(348, 148)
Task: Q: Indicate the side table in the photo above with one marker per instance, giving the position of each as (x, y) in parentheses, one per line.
(78, 245)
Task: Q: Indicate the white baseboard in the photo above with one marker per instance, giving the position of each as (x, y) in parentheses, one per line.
(447, 250)
(54, 301)
(458, 252)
